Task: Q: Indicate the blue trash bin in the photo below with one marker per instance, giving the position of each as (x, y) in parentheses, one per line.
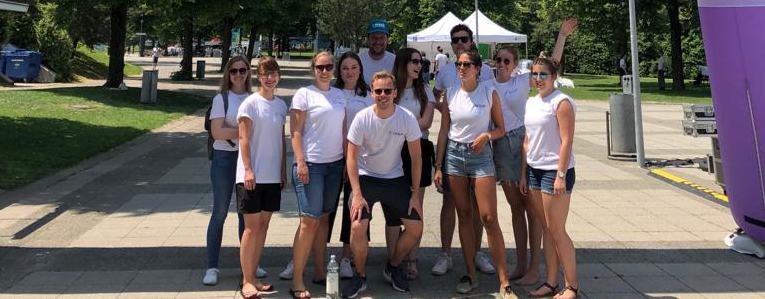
(2, 61)
(21, 64)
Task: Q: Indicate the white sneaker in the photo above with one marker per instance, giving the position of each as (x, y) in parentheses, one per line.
(211, 277)
(261, 273)
(345, 268)
(288, 272)
(483, 263)
(443, 265)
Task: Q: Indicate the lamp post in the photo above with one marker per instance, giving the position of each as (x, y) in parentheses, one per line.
(636, 87)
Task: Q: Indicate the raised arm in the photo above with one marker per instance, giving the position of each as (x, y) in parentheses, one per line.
(568, 27)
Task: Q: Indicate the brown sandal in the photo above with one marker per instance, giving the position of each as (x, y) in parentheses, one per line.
(547, 295)
(570, 288)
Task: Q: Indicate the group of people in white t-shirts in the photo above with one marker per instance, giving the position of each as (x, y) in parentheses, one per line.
(367, 136)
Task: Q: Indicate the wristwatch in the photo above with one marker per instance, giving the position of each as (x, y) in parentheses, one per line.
(561, 174)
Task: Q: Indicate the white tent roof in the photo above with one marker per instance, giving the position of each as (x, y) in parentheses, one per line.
(438, 32)
(490, 32)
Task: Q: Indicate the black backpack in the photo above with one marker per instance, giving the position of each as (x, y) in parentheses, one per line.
(208, 126)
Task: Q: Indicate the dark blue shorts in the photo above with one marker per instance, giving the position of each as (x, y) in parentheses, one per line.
(544, 180)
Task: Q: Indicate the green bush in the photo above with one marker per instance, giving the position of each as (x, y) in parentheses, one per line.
(54, 43)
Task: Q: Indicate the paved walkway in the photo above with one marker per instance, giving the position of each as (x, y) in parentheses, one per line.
(131, 223)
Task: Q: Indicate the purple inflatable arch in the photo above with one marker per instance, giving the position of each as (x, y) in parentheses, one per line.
(734, 42)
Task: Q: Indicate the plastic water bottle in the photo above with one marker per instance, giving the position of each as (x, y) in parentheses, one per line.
(333, 279)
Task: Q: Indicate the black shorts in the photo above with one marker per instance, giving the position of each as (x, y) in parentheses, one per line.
(265, 197)
(393, 194)
(428, 156)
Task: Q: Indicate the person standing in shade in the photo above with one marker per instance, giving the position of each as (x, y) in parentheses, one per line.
(235, 86)
(375, 170)
(261, 171)
(447, 78)
(317, 121)
(661, 67)
(622, 67)
(377, 58)
(425, 62)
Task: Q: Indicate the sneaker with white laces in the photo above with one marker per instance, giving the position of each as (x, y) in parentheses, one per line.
(211, 277)
(288, 272)
(346, 271)
(483, 263)
(443, 265)
(466, 285)
(261, 273)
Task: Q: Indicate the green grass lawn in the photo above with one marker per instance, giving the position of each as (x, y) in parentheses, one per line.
(595, 87)
(48, 130)
(94, 65)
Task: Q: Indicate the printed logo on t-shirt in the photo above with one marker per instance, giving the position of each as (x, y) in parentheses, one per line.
(480, 105)
(396, 133)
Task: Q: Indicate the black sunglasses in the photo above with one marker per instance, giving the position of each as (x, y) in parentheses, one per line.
(325, 67)
(463, 39)
(500, 60)
(415, 61)
(380, 91)
(241, 71)
(460, 64)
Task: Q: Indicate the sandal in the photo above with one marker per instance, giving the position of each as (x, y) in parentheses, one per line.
(547, 295)
(266, 289)
(411, 270)
(251, 296)
(305, 293)
(569, 288)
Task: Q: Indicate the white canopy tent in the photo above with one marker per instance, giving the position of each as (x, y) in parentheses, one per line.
(435, 35)
(487, 32)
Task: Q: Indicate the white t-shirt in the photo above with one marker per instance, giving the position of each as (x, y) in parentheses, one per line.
(268, 118)
(513, 95)
(355, 103)
(543, 132)
(661, 63)
(441, 59)
(372, 66)
(323, 126)
(409, 102)
(381, 141)
(470, 112)
(448, 76)
(234, 100)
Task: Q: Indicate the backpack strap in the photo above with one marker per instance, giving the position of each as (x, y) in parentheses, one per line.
(225, 110)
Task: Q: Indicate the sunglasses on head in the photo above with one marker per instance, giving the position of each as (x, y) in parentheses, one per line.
(241, 71)
(415, 61)
(325, 67)
(464, 64)
(380, 91)
(500, 60)
(463, 39)
(542, 76)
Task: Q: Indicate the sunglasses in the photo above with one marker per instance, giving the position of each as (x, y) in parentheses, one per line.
(270, 75)
(500, 60)
(463, 64)
(241, 71)
(380, 91)
(415, 61)
(463, 39)
(542, 76)
(325, 67)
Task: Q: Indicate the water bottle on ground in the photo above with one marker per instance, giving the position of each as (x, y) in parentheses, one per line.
(333, 279)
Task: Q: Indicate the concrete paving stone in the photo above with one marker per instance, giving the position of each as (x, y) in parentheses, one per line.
(106, 278)
(590, 236)
(141, 242)
(604, 285)
(190, 232)
(732, 295)
(96, 242)
(674, 236)
(20, 211)
(712, 284)
(673, 295)
(105, 291)
(687, 269)
(33, 292)
(636, 269)
(751, 282)
(225, 288)
(624, 295)
(656, 284)
(107, 233)
(153, 291)
(741, 268)
(50, 278)
(716, 235)
(594, 271)
(144, 232)
(631, 236)
(185, 241)
(162, 277)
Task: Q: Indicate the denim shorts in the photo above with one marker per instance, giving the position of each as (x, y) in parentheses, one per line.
(544, 180)
(319, 196)
(508, 155)
(461, 161)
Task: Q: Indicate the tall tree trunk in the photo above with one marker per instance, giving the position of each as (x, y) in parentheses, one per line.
(117, 44)
(75, 42)
(271, 43)
(673, 10)
(199, 44)
(188, 44)
(228, 23)
(251, 43)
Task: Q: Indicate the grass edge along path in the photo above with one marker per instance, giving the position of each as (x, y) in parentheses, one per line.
(45, 131)
(90, 64)
(600, 88)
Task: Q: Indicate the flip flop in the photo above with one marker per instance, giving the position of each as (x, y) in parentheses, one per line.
(253, 296)
(306, 294)
(266, 289)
